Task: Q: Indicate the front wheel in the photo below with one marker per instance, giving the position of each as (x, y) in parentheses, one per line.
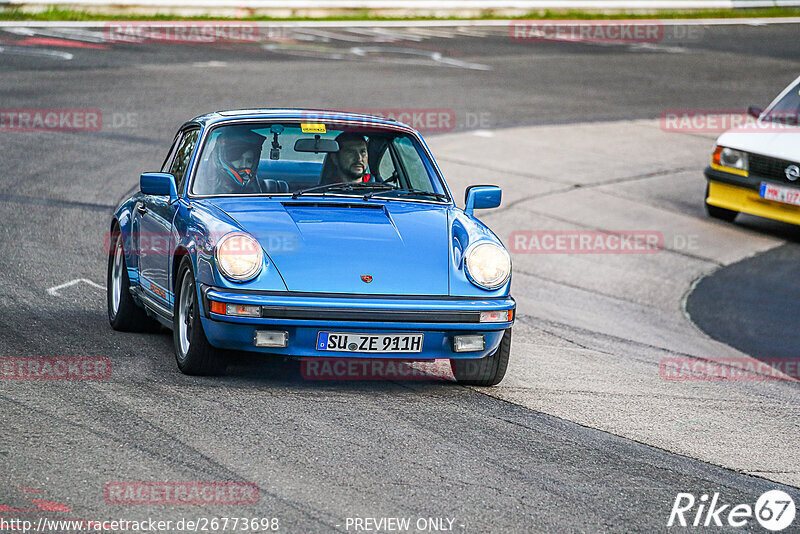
(194, 354)
(486, 371)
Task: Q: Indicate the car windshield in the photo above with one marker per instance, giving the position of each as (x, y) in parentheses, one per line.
(314, 159)
(787, 109)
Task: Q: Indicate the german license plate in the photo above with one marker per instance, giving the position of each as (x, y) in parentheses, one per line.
(369, 343)
(787, 195)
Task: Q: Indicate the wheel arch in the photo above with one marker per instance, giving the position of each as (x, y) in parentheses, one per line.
(181, 252)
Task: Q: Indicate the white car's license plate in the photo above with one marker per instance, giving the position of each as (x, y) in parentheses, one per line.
(787, 195)
(347, 342)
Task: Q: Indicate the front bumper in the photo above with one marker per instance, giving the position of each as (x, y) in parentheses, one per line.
(739, 193)
(304, 315)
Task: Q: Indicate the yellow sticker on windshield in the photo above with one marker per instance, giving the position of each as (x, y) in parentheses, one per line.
(312, 127)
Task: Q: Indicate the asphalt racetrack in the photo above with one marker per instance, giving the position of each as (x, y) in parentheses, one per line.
(587, 433)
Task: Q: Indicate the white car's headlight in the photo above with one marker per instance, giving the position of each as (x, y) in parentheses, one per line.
(488, 265)
(239, 256)
(728, 157)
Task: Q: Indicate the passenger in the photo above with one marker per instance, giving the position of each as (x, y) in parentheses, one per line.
(235, 160)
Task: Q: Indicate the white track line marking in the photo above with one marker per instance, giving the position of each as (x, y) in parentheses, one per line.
(403, 23)
(35, 52)
(74, 34)
(338, 36)
(55, 289)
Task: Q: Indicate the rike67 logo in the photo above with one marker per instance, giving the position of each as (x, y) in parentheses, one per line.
(774, 511)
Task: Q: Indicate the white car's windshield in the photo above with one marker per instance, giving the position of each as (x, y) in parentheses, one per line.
(787, 109)
(294, 158)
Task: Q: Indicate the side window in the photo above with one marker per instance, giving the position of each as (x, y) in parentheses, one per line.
(170, 154)
(415, 169)
(386, 166)
(182, 156)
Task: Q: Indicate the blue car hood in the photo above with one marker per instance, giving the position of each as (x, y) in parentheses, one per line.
(337, 246)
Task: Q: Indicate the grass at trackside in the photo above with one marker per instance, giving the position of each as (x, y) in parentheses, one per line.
(57, 14)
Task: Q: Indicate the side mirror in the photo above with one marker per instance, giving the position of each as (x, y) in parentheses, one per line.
(482, 197)
(754, 111)
(158, 183)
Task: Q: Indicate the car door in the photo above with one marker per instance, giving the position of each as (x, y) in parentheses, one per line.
(155, 213)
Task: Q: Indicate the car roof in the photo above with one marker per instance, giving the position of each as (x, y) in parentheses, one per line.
(304, 114)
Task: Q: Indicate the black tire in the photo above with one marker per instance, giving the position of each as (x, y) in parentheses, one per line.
(128, 316)
(719, 213)
(487, 371)
(200, 357)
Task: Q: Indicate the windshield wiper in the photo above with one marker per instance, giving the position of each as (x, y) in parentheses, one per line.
(342, 186)
(407, 192)
(386, 187)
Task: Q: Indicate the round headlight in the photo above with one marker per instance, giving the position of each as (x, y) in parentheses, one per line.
(733, 158)
(239, 256)
(488, 265)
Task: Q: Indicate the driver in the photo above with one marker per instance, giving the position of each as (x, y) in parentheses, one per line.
(235, 159)
(350, 162)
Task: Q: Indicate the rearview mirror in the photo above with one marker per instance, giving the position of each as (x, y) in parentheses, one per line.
(158, 183)
(754, 111)
(316, 145)
(482, 197)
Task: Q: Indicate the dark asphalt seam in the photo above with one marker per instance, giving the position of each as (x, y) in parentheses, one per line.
(644, 176)
(642, 443)
(586, 289)
(536, 321)
(573, 342)
(158, 454)
(537, 196)
(609, 232)
(634, 178)
(531, 320)
(5, 197)
(614, 395)
(679, 252)
(495, 169)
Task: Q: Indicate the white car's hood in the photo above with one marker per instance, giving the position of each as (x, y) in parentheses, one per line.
(783, 144)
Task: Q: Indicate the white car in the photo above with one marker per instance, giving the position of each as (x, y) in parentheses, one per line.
(755, 168)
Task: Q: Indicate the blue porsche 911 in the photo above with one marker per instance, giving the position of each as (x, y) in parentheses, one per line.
(310, 234)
